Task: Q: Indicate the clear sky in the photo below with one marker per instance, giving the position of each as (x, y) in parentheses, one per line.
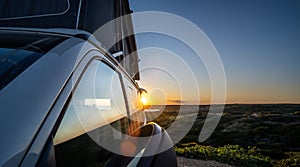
(257, 40)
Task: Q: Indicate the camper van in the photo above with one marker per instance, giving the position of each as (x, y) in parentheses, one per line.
(67, 96)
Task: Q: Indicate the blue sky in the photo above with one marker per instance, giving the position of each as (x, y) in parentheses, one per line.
(257, 40)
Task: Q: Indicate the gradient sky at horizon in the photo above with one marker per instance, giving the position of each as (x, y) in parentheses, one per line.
(257, 40)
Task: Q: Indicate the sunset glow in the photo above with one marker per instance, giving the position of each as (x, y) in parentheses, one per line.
(145, 99)
(259, 48)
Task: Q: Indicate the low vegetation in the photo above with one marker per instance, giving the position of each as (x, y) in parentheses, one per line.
(235, 155)
(247, 135)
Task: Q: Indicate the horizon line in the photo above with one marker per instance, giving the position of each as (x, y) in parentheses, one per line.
(276, 103)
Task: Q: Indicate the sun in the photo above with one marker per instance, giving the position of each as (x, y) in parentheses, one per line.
(145, 98)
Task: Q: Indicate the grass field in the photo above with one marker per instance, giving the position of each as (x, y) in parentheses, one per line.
(247, 134)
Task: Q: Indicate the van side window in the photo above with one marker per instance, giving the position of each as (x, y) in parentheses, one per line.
(96, 105)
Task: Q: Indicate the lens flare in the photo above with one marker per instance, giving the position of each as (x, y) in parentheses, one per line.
(145, 100)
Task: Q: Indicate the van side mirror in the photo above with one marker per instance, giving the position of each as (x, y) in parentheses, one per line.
(148, 153)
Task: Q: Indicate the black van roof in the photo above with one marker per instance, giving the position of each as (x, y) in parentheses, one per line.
(87, 15)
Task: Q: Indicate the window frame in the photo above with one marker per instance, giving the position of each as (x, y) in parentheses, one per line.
(46, 156)
(101, 60)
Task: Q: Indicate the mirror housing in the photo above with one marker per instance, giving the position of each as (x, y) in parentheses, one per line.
(144, 153)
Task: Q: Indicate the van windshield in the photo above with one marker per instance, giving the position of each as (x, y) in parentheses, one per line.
(19, 50)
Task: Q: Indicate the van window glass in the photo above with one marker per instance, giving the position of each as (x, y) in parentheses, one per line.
(96, 108)
(18, 51)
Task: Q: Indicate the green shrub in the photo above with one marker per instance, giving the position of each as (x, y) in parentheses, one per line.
(293, 159)
(296, 113)
(235, 155)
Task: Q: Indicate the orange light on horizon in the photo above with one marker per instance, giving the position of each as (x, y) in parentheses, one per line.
(145, 99)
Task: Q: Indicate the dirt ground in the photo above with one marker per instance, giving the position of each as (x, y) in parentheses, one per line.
(185, 162)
